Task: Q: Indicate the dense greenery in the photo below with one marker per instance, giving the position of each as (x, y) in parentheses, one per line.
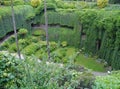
(9, 71)
(61, 51)
(8, 2)
(115, 1)
(22, 13)
(30, 74)
(80, 31)
(111, 81)
(58, 34)
(102, 29)
(98, 28)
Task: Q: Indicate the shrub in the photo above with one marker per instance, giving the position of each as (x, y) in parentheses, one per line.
(32, 74)
(102, 3)
(13, 48)
(40, 54)
(64, 44)
(43, 44)
(11, 39)
(23, 43)
(31, 49)
(35, 39)
(23, 32)
(35, 3)
(53, 45)
(15, 2)
(38, 32)
(21, 13)
(5, 45)
(18, 2)
(57, 55)
(40, 8)
(9, 71)
(61, 34)
(110, 81)
(83, 5)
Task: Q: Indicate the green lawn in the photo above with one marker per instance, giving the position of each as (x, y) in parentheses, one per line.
(89, 63)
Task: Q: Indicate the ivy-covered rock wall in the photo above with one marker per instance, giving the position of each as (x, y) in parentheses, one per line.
(102, 31)
(22, 13)
(99, 31)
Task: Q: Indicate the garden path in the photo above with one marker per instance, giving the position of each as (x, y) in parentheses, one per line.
(6, 37)
(99, 73)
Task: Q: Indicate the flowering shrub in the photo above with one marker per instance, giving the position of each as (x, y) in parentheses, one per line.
(35, 3)
(102, 3)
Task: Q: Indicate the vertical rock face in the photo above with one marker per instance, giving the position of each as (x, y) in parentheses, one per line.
(21, 14)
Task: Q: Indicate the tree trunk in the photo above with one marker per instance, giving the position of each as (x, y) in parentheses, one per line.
(14, 27)
(46, 29)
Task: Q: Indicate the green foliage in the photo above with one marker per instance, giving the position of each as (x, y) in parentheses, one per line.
(88, 62)
(22, 32)
(21, 14)
(23, 43)
(53, 45)
(102, 3)
(40, 54)
(64, 44)
(36, 3)
(18, 2)
(115, 1)
(40, 8)
(111, 81)
(62, 18)
(5, 45)
(9, 71)
(82, 5)
(15, 2)
(34, 45)
(64, 5)
(64, 34)
(99, 29)
(30, 73)
(38, 32)
(113, 7)
(31, 49)
(35, 39)
(11, 39)
(13, 48)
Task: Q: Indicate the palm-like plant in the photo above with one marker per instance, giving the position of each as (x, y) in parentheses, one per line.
(14, 27)
(46, 29)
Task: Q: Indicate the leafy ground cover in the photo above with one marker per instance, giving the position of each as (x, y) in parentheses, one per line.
(111, 81)
(32, 74)
(90, 63)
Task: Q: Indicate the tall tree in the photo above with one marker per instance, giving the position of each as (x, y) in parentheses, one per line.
(46, 29)
(14, 27)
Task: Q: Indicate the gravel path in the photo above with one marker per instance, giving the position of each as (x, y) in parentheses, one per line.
(42, 26)
(99, 73)
(6, 37)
